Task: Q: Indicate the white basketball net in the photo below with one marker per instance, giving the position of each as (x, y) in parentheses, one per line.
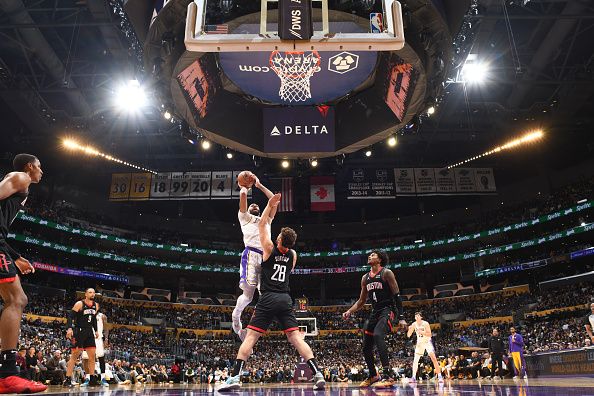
(294, 70)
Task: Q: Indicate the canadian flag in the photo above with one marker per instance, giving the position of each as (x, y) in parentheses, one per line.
(322, 193)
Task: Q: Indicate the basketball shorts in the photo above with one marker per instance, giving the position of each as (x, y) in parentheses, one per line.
(379, 321)
(250, 268)
(272, 306)
(424, 344)
(83, 339)
(100, 349)
(8, 270)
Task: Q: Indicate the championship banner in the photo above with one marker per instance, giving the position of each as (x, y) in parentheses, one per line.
(174, 185)
(140, 186)
(485, 181)
(425, 180)
(365, 183)
(200, 185)
(405, 181)
(445, 181)
(221, 185)
(120, 187)
(160, 184)
(465, 180)
(322, 193)
(442, 181)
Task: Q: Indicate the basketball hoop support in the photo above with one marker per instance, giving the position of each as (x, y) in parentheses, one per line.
(196, 40)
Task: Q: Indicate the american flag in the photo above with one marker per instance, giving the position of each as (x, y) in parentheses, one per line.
(216, 29)
(286, 190)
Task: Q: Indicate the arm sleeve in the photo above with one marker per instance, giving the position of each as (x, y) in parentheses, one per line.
(398, 305)
(13, 253)
(71, 320)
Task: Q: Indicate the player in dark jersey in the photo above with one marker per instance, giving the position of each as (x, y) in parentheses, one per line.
(82, 331)
(14, 189)
(381, 287)
(275, 302)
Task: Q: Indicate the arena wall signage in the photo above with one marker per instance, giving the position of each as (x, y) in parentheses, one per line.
(575, 362)
(298, 129)
(82, 273)
(513, 268)
(216, 268)
(499, 230)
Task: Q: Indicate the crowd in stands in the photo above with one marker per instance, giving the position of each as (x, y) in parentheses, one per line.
(136, 356)
(479, 306)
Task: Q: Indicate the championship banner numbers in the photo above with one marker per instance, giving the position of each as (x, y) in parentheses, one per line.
(221, 187)
(120, 187)
(200, 185)
(160, 185)
(180, 185)
(140, 186)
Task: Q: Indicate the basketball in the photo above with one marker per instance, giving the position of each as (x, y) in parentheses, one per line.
(246, 179)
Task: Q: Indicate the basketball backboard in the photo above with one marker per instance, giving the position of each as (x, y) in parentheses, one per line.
(334, 29)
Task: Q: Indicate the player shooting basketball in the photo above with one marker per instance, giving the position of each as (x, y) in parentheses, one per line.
(251, 259)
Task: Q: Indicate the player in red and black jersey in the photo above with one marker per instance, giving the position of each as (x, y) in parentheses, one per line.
(382, 289)
(14, 190)
(82, 332)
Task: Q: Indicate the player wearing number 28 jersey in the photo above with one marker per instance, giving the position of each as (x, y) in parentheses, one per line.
(278, 260)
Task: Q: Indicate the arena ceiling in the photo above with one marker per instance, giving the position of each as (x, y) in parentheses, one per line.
(61, 60)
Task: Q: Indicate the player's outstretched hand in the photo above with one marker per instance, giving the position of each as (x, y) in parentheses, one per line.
(346, 315)
(24, 266)
(274, 200)
(256, 181)
(402, 324)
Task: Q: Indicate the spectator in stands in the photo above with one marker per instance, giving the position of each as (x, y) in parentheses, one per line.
(31, 364)
(56, 368)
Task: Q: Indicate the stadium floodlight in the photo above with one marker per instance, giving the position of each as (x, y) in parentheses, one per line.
(285, 164)
(73, 145)
(368, 153)
(474, 71)
(205, 144)
(229, 155)
(527, 138)
(392, 141)
(431, 110)
(131, 96)
(314, 162)
(167, 115)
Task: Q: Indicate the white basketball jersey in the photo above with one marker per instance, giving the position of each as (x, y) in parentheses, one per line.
(249, 227)
(100, 324)
(420, 330)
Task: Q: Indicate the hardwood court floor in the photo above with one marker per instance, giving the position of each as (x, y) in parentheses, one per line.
(531, 387)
